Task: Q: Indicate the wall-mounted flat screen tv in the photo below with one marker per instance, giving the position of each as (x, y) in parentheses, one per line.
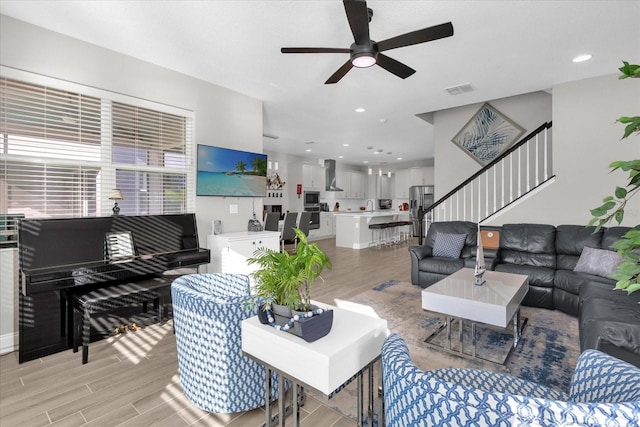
(227, 172)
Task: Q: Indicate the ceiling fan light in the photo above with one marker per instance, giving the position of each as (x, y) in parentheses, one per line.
(363, 60)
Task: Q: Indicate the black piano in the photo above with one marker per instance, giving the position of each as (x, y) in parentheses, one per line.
(62, 257)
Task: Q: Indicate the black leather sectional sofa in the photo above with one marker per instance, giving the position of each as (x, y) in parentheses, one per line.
(609, 319)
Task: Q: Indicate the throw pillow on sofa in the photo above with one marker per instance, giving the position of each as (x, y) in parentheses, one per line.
(448, 245)
(599, 262)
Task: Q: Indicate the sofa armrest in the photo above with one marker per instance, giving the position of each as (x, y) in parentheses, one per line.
(602, 378)
(417, 253)
(421, 251)
(497, 383)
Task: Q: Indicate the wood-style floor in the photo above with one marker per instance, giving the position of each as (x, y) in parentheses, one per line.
(133, 380)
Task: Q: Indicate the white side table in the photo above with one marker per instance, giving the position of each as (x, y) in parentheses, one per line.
(351, 348)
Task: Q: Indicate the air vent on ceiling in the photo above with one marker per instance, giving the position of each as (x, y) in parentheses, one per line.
(458, 89)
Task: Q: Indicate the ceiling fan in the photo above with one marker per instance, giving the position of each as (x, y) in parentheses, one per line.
(365, 52)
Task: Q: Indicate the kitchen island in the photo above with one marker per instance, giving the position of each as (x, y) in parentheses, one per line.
(352, 228)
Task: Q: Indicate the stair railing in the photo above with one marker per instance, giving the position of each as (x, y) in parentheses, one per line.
(522, 168)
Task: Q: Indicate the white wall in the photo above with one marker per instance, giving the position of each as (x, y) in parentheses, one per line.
(452, 165)
(585, 141)
(8, 299)
(222, 117)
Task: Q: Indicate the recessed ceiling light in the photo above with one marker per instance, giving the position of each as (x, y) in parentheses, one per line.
(341, 157)
(308, 150)
(366, 161)
(360, 110)
(376, 152)
(582, 58)
(399, 158)
(345, 145)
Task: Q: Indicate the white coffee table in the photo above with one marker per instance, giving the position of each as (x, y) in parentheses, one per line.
(496, 302)
(352, 346)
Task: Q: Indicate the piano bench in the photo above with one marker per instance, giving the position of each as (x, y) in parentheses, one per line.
(110, 298)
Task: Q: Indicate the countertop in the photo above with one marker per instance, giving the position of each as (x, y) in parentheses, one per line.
(389, 212)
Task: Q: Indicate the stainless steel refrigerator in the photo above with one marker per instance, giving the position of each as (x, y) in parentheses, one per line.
(420, 197)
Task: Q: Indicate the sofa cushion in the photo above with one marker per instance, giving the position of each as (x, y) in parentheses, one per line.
(599, 262)
(448, 245)
(528, 244)
(570, 239)
(538, 276)
(612, 235)
(572, 281)
(607, 291)
(454, 227)
(533, 238)
(440, 265)
(610, 321)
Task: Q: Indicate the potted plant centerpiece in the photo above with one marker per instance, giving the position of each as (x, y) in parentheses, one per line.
(284, 281)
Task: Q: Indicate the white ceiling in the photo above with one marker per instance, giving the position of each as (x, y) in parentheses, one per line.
(502, 48)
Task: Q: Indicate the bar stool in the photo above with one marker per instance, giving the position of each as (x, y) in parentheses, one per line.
(405, 230)
(391, 238)
(377, 230)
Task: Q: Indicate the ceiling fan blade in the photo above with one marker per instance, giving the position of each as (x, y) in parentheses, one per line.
(358, 17)
(335, 77)
(420, 36)
(395, 67)
(313, 50)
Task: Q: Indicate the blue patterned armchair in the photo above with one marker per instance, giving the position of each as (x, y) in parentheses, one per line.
(207, 313)
(604, 392)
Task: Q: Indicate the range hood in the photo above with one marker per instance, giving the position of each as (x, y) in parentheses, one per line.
(330, 176)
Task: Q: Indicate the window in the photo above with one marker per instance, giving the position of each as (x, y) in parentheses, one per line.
(64, 147)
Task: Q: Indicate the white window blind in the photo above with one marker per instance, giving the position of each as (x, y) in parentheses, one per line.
(150, 156)
(62, 152)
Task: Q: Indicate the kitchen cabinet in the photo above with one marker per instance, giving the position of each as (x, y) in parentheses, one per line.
(327, 227)
(229, 251)
(401, 184)
(383, 187)
(313, 177)
(327, 224)
(353, 183)
(358, 185)
(421, 176)
(343, 180)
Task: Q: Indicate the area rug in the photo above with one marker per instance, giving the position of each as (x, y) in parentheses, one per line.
(547, 352)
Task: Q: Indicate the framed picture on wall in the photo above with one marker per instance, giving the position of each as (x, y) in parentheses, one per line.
(487, 135)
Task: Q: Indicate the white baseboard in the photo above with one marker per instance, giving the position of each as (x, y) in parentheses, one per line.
(8, 343)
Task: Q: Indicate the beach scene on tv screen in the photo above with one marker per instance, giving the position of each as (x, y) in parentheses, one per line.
(227, 172)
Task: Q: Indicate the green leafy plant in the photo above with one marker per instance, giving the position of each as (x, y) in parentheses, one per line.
(286, 279)
(612, 208)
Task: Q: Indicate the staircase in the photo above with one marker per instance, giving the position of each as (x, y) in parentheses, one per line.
(524, 168)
